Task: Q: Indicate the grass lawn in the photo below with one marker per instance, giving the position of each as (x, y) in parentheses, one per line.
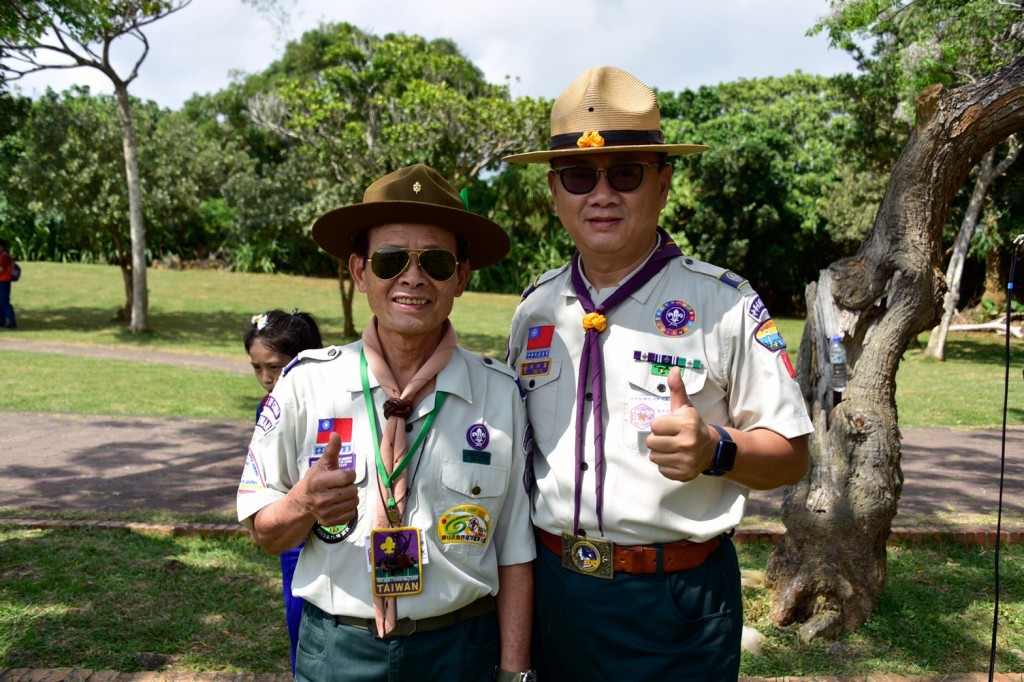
(207, 312)
(131, 600)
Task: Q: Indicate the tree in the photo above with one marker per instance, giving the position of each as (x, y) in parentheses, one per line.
(62, 34)
(373, 105)
(921, 42)
(66, 176)
(828, 571)
(753, 202)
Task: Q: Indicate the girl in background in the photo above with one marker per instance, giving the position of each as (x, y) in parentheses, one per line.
(273, 340)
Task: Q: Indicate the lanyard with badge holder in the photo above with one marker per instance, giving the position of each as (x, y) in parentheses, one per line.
(395, 552)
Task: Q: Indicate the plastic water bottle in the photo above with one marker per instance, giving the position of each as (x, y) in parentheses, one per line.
(837, 356)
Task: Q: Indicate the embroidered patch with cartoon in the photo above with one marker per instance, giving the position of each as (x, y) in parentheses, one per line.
(465, 524)
(767, 334)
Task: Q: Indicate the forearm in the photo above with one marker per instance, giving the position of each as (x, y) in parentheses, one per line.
(282, 525)
(766, 459)
(515, 615)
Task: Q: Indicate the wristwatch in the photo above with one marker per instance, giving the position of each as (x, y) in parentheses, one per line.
(725, 455)
(501, 675)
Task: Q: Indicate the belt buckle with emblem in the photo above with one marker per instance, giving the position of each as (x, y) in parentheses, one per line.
(589, 556)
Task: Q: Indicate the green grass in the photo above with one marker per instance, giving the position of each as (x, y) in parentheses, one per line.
(935, 617)
(207, 312)
(130, 600)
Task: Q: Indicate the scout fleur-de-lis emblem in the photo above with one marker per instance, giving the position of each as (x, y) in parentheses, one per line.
(416, 187)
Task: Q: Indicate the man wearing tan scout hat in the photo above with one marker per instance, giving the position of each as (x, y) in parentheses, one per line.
(659, 393)
(399, 460)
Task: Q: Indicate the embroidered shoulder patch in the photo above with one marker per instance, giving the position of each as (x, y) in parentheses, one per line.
(252, 478)
(767, 334)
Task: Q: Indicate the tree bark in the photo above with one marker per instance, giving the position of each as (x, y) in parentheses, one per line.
(347, 288)
(137, 228)
(987, 173)
(829, 570)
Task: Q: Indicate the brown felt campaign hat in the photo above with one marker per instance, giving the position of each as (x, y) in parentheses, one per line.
(416, 194)
(606, 110)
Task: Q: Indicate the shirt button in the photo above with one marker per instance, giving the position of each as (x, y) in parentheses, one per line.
(476, 490)
(332, 352)
(661, 388)
(584, 466)
(532, 383)
(488, 361)
(408, 428)
(589, 396)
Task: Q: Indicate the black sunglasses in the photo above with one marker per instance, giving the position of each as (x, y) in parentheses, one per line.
(623, 177)
(391, 261)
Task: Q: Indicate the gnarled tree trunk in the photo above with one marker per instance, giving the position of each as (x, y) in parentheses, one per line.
(828, 571)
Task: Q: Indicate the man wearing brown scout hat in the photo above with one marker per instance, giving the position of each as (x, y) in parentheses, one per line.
(399, 460)
(659, 393)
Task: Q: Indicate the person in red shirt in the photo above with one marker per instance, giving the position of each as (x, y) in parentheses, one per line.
(7, 320)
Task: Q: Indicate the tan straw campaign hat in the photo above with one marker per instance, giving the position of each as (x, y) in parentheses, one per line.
(416, 194)
(605, 110)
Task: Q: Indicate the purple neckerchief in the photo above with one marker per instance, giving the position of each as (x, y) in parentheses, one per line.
(590, 363)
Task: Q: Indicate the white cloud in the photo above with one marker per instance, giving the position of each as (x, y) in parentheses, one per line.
(540, 44)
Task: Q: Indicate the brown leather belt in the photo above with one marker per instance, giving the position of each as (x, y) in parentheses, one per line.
(405, 626)
(643, 559)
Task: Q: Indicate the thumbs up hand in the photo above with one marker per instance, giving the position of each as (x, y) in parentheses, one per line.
(679, 442)
(331, 493)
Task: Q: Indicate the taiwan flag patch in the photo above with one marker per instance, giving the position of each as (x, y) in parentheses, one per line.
(341, 426)
(540, 337)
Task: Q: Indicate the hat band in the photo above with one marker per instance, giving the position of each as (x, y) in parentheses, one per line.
(611, 138)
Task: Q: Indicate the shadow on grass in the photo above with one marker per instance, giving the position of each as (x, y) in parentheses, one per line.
(129, 601)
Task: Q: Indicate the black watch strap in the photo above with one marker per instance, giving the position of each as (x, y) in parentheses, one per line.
(725, 455)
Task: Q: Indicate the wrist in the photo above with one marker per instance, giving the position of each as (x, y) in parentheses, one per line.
(502, 675)
(725, 454)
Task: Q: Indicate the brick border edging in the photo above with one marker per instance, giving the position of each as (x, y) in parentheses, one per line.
(985, 537)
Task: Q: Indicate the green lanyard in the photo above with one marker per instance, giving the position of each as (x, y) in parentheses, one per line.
(385, 477)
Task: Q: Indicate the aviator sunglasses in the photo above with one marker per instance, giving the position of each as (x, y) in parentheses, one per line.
(623, 177)
(389, 262)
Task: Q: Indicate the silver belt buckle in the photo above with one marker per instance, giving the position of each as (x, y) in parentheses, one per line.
(588, 556)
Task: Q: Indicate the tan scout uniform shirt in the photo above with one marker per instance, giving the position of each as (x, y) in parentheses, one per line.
(736, 372)
(465, 470)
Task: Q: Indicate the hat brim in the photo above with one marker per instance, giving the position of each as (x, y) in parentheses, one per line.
(335, 232)
(548, 154)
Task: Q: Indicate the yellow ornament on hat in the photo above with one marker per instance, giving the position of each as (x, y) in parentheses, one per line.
(590, 138)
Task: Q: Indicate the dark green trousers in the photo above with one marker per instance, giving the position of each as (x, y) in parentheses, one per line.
(327, 651)
(685, 625)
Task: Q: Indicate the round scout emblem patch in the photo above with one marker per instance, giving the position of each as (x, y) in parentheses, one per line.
(335, 534)
(675, 318)
(478, 436)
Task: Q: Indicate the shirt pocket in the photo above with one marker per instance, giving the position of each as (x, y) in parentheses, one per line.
(469, 505)
(543, 406)
(648, 397)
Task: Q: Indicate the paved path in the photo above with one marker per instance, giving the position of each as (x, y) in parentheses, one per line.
(109, 464)
(104, 463)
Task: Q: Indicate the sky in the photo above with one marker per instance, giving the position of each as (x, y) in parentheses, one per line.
(539, 46)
